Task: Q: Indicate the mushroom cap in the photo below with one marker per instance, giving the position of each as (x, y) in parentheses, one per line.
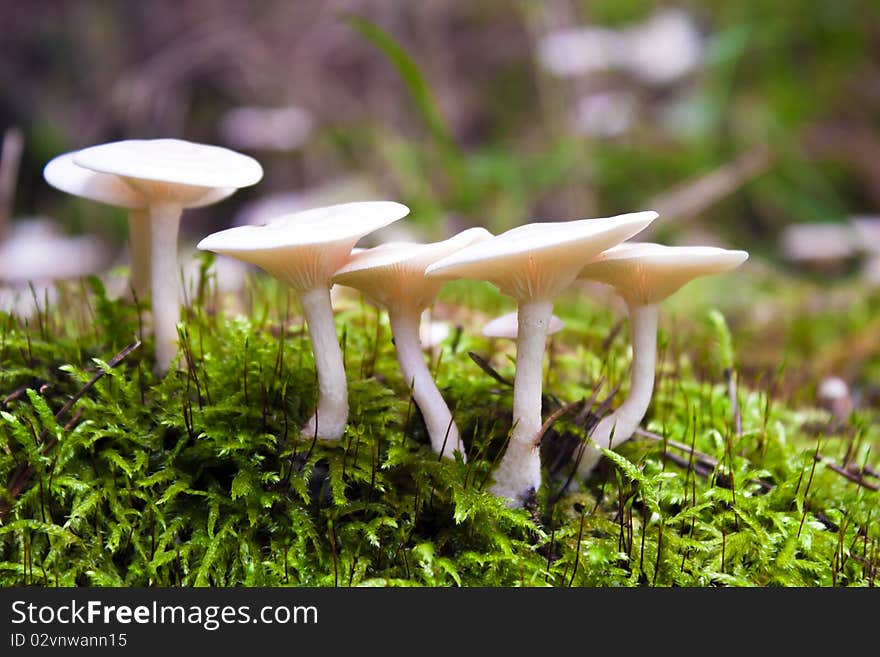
(63, 173)
(395, 272)
(269, 128)
(866, 229)
(36, 250)
(539, 260)
(171, 168)
(832, 388)
(507, 326)
(817, 243)
(305, 249)
(644, 273)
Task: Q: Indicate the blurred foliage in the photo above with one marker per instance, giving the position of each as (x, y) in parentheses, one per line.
(444, 106)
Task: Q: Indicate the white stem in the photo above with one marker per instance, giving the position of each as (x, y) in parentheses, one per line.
(140, 244)
(331, 415)
(619, 426)
(444, 434)
(164, 225)
(519, 472)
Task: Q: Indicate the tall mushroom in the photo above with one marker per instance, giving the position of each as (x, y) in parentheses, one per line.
(63, 173)
(393, 275)
(533, 264)
(645, 274)
(304, 250)
(170, 175)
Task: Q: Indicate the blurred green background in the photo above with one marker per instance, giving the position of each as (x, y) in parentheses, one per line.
(736, 120)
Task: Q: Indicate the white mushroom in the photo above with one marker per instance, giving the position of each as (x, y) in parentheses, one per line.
(604, 113)
(818, 244)
(393, 275)
(63, 173)
(266, 128)
(664, 48)
(644, 274)
(833, 394)
(432, 333)
(580, 50)
(170, 175)
(533, 264)
(37, 253)
(304, 250)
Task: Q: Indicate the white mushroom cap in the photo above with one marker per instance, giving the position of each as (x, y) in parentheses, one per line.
(507, 326)
(664, 48)
(645, 273)
(345, 189)
(867, 232)
(604, 113)
(581, 50)
(269, 128)
(37, 251)
(305, 249)
(171, 168)
(64, 173)
(539, 260)
(393, 275)
(819, 242)
(395, 272)
(832, 388)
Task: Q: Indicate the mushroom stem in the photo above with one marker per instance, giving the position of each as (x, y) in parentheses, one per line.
(519, 472)
(331, 414)
(140, 243)
(444, 434)
(619, 426)
(165, 223)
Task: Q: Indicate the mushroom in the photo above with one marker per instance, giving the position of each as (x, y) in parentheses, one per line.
(63, 173)
(304, 250)
(266, 128)
(37, 253)
(833, 394)
(644, 274)
(393, 275)
(826, 246)
(662, 49)
(169, 175)
(583, 50)
(533, 264)
(432, 333)
(37, 250)
(604, 114)
(507, 326)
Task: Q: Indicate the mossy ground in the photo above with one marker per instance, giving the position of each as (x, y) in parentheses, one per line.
(200, 477)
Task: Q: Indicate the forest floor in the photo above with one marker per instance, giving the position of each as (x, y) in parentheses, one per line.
(112, 476)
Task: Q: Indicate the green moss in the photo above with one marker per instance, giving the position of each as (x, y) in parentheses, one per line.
(201, 478)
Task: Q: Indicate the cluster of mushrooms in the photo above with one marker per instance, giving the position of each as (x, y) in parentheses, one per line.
(313, 250)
